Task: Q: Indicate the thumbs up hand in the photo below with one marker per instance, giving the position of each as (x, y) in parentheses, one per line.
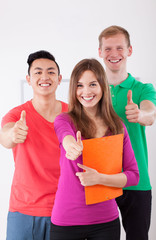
(132, 111)
(72, 146)
(20, 129)
(23, 116)
(129, 97)
(78, 137)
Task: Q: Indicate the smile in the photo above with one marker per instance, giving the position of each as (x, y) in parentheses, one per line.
(45, 84)
(115, 61)
(88, 98)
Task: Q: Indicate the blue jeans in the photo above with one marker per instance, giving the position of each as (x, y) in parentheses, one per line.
(26, 227)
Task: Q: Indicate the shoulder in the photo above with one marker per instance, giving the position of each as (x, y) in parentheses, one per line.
(62, 118)
(64, 125)
(21, 107)
(139, 86)
(143, 91)
(124, 129)
(14, 114)
(64, 106)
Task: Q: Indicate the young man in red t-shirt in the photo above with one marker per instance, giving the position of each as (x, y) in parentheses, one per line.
(28, 129)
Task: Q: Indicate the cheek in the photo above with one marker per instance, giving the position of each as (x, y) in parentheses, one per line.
(78, 96)
(104, 54)
(100, 95)
(78, 92)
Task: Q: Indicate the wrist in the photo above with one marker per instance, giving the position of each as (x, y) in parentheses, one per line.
(102, 178)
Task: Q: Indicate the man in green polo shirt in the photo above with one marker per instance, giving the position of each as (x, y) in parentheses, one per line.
(135, 103)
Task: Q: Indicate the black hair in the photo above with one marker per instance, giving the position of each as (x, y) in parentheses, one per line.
(41, 54)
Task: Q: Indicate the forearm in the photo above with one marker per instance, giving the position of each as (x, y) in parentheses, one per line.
(115, 180)
(69, 139)
(91, 177)
(148, 113)
(147, 118)
(6, 136)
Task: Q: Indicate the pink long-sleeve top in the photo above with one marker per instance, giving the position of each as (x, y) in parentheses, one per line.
(69, 206)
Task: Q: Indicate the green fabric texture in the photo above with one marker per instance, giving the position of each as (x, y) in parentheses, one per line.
(140, 92)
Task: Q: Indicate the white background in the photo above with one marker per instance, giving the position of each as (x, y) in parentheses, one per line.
(69, 29)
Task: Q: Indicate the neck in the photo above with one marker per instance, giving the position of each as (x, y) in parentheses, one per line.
(116, 77)
(47, 107)
(91, 113)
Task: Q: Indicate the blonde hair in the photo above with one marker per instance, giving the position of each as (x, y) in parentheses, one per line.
(112, 31)
(105, 109)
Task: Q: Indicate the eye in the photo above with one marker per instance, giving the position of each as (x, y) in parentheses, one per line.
(107, 49)
(79, 85)
(93, 84)
(51, 73)
(119, 48)
(38, 73)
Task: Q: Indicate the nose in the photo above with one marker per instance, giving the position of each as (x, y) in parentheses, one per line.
(114, 53)
(86, 90)
(45, 76)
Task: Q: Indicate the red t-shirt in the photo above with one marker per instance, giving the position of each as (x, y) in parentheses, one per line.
(36, 163)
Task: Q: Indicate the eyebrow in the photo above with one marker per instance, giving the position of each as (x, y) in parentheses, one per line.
(50, 68)
(108, 46)
(90, 82)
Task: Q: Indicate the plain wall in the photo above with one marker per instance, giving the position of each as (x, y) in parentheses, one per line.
(69, 29)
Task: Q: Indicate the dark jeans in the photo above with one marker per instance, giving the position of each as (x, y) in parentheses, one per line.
(103, 231)
(135, 208)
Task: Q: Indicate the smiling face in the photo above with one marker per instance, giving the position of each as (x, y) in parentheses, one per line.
(114, 50)
(88, 91)
(44, 77)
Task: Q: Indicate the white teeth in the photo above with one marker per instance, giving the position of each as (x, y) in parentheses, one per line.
(114, 61)
(87, 98)
(44, 84)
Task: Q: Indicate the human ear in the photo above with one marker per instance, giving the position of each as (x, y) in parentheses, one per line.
(100, 52)
(59, 79)
(28, 79)
(130, 51)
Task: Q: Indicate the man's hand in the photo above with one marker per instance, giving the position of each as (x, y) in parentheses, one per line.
(133, 113)
(20, 130)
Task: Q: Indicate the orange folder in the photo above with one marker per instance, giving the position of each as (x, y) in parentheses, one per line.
(105, 155)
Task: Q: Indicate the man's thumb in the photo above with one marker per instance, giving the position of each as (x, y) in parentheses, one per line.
(129, 97)
(23, 116)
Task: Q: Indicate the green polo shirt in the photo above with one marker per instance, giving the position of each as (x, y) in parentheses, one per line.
(136, 132)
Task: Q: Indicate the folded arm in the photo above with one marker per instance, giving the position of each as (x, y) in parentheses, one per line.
(92, 177)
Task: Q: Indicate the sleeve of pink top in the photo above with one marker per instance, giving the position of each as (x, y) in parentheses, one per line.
(63, 126)
(130, 167)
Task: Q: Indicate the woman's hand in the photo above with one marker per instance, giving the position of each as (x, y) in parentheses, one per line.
(88, 178)
(92, 177)
(72, 146)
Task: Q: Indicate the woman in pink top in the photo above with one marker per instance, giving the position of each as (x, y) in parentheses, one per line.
(91, 115)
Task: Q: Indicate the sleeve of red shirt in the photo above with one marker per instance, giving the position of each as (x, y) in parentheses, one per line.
(12, 116)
